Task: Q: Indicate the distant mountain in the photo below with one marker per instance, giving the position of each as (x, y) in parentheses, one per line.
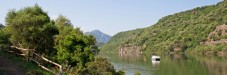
(1, 25)
(101, 37)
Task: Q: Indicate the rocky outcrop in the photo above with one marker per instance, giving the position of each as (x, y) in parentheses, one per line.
(127, 50)
(219, 35)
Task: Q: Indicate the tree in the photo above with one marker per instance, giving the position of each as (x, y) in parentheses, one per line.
(4, 36)
(64, 26)
(63, 22)
(101, 66)
(73, 47)
(31, 27)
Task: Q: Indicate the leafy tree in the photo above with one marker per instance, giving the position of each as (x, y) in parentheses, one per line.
(31, 27)
(73, 47)
(4, 36)
(64, 26)
(101, 67)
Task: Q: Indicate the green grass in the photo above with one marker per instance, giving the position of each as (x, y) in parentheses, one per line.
(29, 67)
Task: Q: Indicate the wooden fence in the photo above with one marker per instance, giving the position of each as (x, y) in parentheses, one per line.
(30, 55)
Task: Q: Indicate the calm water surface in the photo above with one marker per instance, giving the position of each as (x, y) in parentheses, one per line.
(169, 64)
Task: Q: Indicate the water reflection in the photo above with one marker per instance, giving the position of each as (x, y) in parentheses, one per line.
(155, 62)
(131, 63)
(191, 65)
(216, 66)
(174, 64)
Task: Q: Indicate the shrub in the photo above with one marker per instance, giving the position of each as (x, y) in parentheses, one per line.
(101, 67)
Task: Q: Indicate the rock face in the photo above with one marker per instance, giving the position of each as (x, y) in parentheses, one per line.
(215, 37)
(219, 35)
(101, 37)
(127, 50)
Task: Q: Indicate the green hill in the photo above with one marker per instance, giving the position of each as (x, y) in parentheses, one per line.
(184, 31)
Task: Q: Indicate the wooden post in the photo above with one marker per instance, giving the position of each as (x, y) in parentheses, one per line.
(28, 55)
(31, 54)
(60, 70)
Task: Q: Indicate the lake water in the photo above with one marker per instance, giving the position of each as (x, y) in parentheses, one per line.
(169, 64)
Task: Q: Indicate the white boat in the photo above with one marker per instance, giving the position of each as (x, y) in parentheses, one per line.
(155, 58)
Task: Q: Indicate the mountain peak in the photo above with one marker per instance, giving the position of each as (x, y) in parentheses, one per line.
(95, 31)
(100, 36)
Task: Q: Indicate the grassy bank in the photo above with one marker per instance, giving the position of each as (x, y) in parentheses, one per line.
(29, 67)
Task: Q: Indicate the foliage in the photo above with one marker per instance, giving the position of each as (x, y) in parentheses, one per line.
(64, 26)
(189, 28)
(4, 36)
(31, 27)
(137, 73)
(101, 67)
(73, 47)
(209, 49)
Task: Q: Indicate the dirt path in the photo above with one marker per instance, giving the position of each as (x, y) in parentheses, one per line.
(8, 67)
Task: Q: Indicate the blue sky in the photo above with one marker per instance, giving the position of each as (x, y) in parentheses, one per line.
(109, 16)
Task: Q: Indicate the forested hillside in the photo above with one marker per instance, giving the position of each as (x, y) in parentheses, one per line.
(184, 31)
